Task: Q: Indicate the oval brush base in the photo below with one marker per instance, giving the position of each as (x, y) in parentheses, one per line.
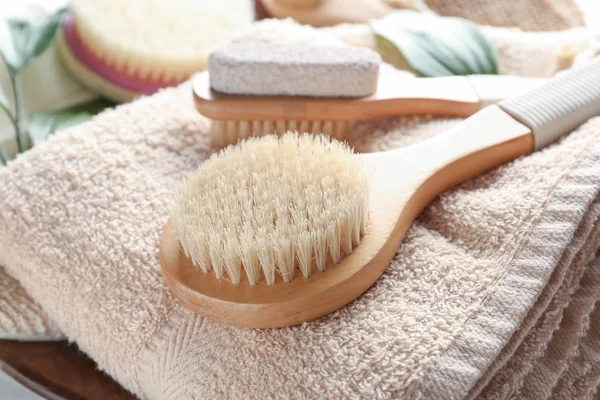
(329, 12)
(403, 182)
(89, 78)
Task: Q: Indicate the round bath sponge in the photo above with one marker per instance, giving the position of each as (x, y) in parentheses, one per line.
(272, 205)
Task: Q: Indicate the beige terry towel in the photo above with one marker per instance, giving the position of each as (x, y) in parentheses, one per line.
(582, 378)
(563, 346)
(21, 318)
(529, 15)
(531, 344)
(81, 216)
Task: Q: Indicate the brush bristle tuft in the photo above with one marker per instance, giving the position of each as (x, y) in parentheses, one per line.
(225, 133)
(272, 205)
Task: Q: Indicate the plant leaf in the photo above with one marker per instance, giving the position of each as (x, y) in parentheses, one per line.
(434, 46)
(3, 156)
(43, 124)
(28, 40)
(4, 104)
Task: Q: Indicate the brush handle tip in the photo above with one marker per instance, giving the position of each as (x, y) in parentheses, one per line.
(561, 105)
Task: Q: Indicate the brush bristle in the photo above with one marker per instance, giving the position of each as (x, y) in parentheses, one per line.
(273, 204)
(225, 133)
(158, 40)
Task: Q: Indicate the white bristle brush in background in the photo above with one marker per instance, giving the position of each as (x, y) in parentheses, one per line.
(281, 230)
(254, 89)
(125, 49)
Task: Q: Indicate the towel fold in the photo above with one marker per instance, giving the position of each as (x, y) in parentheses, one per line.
(506, 375)
(21, 318)
(562, 348)
(582, 377)
(474, 302)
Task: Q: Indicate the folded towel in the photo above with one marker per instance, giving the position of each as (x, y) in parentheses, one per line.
(530, 341)
(81, 216)
(582, 378)
(546, 372)
(529, 15)
(21, 318)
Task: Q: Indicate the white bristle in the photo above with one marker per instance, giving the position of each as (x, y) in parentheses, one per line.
(316, 127)
(304, 126)
(256, 128)
(230, 132)
(333, 241)
(268, 127)
(271, 205)
(280, 127)
(340, 130)
(327, 128)
(266, 257)
(215, 254)
(244, 129)
(319, 242)
(284, 254)
(218, 134)
(304, 253)
(232, 258)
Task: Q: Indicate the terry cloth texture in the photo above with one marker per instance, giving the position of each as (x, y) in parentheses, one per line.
(490, 267)
(529, 15)
(544, 374)
(476, 272)
(21, 318)
(582, 377)
(526, 54)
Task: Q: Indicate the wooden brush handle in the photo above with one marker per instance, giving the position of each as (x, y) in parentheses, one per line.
(558, 107)
(329, 12)
(396, 94)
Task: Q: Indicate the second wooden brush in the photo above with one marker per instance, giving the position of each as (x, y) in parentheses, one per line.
(254, 89)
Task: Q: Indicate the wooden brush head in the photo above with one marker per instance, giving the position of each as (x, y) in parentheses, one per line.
(271, 205)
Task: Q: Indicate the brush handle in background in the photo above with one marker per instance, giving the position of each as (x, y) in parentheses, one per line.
(558, 107)
(397, 94)
(328, 12)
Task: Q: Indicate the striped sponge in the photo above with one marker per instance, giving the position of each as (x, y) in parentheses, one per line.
(147, 44)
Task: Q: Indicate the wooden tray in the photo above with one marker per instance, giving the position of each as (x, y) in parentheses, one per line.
(57, 370)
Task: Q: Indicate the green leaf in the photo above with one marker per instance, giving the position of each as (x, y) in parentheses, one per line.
(434, 46)
(4, 104)
(43, 124)
(28, 40)
(3, 156)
